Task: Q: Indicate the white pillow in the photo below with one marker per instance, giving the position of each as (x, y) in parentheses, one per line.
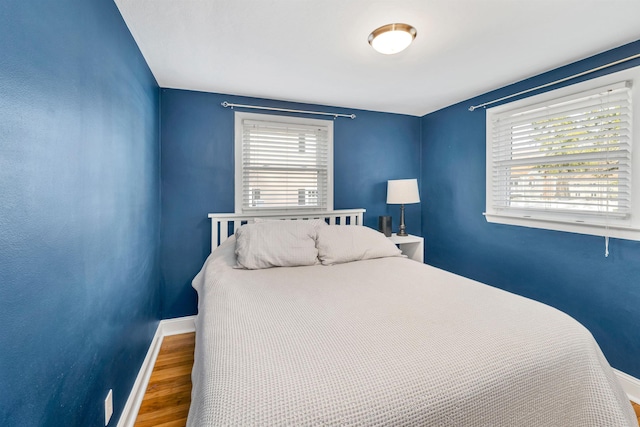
(276, 244)
(345, 243)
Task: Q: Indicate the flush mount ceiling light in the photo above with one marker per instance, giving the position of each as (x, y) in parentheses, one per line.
(392, 38)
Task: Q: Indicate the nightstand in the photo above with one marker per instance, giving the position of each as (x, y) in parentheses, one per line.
(411, 246)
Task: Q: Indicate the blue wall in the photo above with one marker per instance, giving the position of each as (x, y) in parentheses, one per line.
(198, 176)
(565, 270)
(79, 211)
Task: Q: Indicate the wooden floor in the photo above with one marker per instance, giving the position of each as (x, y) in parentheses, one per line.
(166, 401)
(168, 396)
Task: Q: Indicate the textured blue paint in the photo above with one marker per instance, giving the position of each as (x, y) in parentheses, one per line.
(198, 175)
(79, 211)
(565, 270)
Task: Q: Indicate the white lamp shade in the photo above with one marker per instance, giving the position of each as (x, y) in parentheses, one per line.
(402, 192)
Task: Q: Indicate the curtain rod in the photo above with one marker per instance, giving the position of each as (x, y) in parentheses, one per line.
(593, 70)
(226, 104)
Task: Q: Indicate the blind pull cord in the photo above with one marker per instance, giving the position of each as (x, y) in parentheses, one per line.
(606, 216)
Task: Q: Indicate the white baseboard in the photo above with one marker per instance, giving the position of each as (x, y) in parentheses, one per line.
(180, 325)
(630, 385)
(130, 411)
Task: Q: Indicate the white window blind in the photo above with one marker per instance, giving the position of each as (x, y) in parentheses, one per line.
(569, 157)
(285, 165)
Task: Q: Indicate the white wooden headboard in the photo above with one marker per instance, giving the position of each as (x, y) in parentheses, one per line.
(222, 223)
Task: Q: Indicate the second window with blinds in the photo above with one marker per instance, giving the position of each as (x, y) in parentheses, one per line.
(283, 164)
(565, 160)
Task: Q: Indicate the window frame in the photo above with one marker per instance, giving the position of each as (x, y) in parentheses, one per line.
(626, 228)
(239, 117)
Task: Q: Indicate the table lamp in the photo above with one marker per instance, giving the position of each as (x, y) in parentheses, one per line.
(402, 192)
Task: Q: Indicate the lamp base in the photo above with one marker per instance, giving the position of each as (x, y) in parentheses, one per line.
(403, 229)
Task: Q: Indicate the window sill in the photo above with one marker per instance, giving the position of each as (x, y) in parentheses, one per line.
(613, 230)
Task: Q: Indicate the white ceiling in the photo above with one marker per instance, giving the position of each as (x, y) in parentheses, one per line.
(316, 51)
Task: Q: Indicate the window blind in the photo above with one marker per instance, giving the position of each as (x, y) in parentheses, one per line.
(284, 166)
(571, 155)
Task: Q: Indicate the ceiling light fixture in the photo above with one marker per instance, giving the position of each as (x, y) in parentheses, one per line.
(392, 38)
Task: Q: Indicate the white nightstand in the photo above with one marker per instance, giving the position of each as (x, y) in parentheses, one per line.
(411, 246)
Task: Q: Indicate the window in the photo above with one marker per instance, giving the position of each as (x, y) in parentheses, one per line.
(283, 163)
(564, 160)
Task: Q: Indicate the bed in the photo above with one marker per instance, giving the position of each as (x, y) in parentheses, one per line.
(382, 341)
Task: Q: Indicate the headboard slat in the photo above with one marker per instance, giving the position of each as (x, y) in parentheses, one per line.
(214, 234)
(224, 231)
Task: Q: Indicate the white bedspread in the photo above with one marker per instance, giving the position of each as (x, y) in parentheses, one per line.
(389, 342)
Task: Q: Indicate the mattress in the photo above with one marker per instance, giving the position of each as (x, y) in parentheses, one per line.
(388, 342)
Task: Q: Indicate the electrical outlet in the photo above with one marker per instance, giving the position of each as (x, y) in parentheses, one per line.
(108, 407)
